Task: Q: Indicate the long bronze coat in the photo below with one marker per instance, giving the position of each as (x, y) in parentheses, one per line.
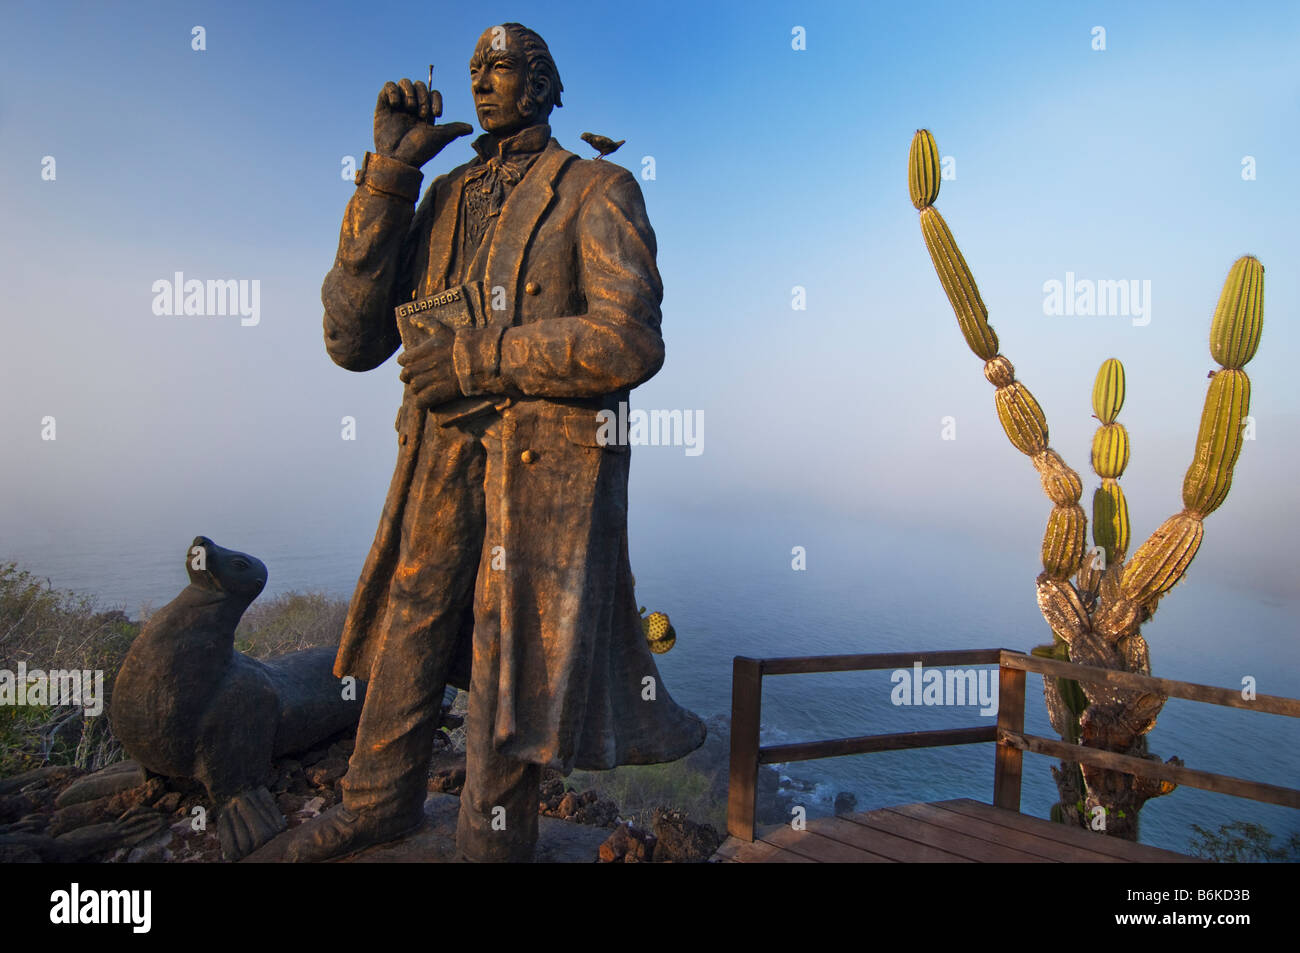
(573, 682)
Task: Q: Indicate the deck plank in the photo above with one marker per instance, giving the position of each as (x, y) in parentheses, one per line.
(1049, 848)
(955, 831)
(968, 847)
(886, 843)
(758, 852)
(820, 847)
(1114, 846)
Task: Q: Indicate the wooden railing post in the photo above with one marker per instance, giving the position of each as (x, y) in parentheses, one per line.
(746, 704)
(1011, 717)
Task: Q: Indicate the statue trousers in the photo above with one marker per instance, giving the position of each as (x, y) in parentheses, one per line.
(431, 602)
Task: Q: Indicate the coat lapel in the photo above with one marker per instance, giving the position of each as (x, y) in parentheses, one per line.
(440, 241)
(523, 209)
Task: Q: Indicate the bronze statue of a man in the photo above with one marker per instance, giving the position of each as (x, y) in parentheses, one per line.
(525, 295)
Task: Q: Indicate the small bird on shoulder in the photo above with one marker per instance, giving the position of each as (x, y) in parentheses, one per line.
(602, 144)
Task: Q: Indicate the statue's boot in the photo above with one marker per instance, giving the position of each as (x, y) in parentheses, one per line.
(340, 832)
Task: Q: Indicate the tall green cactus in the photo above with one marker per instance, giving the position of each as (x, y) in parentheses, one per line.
(1097, 618)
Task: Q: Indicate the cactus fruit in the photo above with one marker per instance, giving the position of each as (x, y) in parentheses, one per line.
(923, 169)
(1161, 561)
(1239, 316)
(1108, 391)
(1021, 418)
(955, 276)
(655, 626)
(1110, 450)
(1110, 526)
(658, 632)
(1218, 443)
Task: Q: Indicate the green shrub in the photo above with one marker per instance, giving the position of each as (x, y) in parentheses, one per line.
(1243, 842)
(290, 622)
(638, 789)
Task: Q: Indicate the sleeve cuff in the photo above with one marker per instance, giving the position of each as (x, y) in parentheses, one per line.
(476, 355)
(390, 177)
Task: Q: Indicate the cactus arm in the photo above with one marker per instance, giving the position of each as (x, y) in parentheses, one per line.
(1110, 455)
(1021, 417)
(1160, 562)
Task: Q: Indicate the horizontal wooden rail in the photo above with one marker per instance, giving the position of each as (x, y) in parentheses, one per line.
(810, 664)
(746, 707)
(810, 750)
(1142, 767)
(1270, 704)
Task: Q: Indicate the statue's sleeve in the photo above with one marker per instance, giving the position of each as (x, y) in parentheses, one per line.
(374, 269)
(616, 344)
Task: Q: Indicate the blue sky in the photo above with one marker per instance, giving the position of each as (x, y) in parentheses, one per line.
(775, 168)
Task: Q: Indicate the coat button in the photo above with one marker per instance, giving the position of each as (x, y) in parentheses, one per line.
(528, 456)
(532, 288)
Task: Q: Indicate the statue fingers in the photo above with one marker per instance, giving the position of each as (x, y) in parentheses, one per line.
(425, 378)
(390, 97)
(409, 101)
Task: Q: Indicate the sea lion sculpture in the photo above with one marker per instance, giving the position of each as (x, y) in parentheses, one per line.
(186, 704)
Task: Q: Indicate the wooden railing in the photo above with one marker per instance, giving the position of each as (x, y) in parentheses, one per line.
(1009, 732)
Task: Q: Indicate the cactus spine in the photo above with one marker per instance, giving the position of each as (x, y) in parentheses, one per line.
(1098, 622)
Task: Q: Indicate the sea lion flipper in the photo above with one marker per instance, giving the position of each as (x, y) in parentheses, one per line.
(247, 821)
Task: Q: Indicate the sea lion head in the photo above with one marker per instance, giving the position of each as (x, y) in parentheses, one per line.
(224, 571)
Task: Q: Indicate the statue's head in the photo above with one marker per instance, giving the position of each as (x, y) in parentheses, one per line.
(513, 78)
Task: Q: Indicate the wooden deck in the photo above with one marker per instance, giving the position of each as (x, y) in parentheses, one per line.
(960, 831)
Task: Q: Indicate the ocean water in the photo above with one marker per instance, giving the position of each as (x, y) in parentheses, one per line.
(726, 579)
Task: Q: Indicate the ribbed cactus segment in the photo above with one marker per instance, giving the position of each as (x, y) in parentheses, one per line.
(1110, 450)
(1021, 418)
(1218, 443)
(1161, 561)
(1062, 608)
(1064, 541)
(923, 169)
(1073, 696)
(1110, 526)
(958, 284)
(1108, 391)
(1061, 484)
(1239, 316)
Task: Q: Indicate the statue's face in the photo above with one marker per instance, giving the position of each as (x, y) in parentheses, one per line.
(499, 80)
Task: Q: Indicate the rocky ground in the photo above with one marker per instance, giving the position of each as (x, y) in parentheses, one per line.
(122, 815)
